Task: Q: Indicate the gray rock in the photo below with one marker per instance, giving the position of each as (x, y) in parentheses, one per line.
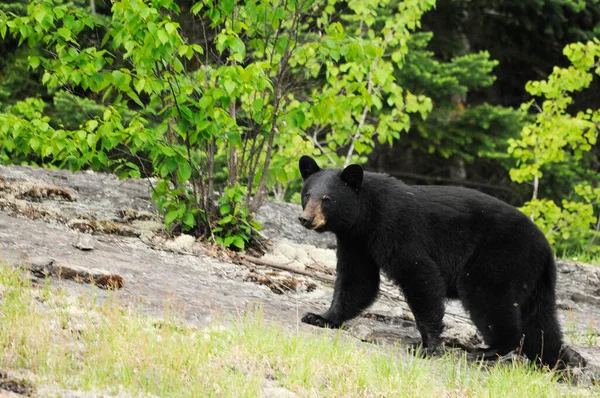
(84, 242)
(183, 243)
(280, 220)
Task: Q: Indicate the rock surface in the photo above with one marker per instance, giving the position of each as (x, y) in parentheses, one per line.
(43, 212)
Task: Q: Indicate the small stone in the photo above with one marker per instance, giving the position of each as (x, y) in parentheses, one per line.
(84, 242)
(182, 243)
(285, 249)
(323, 256)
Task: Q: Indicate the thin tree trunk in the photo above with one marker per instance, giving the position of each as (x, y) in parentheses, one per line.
(233, 153)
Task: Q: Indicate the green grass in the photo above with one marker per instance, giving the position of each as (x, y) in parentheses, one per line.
(75, 343)
(585, 257)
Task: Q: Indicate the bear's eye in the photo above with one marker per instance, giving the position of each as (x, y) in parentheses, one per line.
(325, 198)
(307, 196)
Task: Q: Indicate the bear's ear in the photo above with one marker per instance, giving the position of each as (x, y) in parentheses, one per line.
(353, 176)
(308, 166)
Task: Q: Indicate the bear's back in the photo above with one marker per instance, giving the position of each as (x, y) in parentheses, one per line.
(444, 213)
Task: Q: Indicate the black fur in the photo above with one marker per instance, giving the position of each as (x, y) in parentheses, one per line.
(435, 243)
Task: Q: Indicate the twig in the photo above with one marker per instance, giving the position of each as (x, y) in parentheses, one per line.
(316, 142)
(284, 267)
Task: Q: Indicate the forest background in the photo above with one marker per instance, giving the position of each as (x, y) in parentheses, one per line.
(217, 100)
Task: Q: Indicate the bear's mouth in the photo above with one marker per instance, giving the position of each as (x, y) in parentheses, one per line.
(320, 228)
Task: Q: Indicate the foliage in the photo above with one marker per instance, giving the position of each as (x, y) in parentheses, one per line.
(264, 81)
(556, 136)
(524, 36)
(236, 217)
(455, 128)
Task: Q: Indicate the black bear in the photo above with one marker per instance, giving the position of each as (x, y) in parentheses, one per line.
(437, 242)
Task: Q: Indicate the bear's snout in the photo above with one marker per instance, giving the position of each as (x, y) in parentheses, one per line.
(306, 220)
(312, 217)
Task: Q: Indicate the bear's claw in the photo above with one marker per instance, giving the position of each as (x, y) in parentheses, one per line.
(318, 320)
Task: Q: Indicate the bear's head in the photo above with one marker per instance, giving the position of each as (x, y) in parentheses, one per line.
(330, 197)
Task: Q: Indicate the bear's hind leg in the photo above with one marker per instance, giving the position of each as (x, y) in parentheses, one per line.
(498, 318)
(425, 292)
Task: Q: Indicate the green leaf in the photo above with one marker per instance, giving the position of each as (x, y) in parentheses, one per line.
(91, 140)
(205, 102)
(121, 80)
(171, 165)
(170, 27)
(170, 217)
(40, 14)
(197, 48)
(239, 242)
(102, 158)
(186, 112)
(225, 209)
(64, 33)
(189, 219)
(168, 151)
(163, 36)
(227, 6)
(197, 8)
(228, 240)
(185, 171)
(139, 84)
(226, 220)
(257, 104)
(34, 61)
(229, 86)
(34, 142)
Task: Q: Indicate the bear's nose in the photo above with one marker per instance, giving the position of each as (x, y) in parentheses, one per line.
(305, 220)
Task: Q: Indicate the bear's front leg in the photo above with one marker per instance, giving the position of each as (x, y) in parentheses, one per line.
(356, 287)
